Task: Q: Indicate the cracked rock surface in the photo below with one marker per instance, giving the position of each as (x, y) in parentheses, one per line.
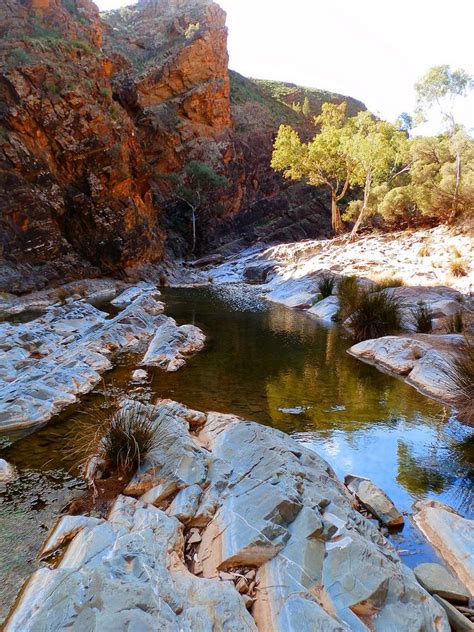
(224, 499)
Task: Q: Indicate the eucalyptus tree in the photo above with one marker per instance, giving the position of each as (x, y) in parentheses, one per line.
(321, 162)
(440, 88)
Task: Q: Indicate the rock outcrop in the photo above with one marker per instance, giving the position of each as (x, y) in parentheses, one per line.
(268, 528)
(48, 363)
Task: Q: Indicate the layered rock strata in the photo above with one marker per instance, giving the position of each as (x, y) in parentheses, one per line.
(268, 528)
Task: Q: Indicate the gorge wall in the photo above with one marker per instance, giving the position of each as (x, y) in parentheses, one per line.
(96, 113)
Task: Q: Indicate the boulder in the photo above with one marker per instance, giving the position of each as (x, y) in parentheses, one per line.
(7, 472)
(258, 273)
(129, 295)
(326, 309)
(139, 376)
(172, 345)
(374, 499)
(437, 580)
(422, 359)
(451, 535)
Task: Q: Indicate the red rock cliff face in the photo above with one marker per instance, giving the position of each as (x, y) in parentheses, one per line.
(74, 183)
(97, 111)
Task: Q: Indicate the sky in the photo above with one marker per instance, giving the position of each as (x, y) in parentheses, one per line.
(373, 50)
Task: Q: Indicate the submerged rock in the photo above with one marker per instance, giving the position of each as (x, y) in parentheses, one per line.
(273, 512)
(451, 535)
(374, 499)
(437, 580)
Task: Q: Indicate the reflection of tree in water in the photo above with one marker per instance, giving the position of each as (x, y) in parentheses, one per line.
(444, 466)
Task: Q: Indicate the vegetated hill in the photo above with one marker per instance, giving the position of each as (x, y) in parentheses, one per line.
(97, 110)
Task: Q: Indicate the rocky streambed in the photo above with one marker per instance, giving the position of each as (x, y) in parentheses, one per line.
(278, 367)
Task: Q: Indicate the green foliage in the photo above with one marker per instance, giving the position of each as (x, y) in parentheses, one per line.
(375, 314)
(326, 285)
(191, 30)
(306, 107)
(439, 88)
(52, 88)
(348, 295)
(19, 57)
(105, 92)
(461, 383)
(296, 107)
(455, 323)
(83, 45)
(423, 319)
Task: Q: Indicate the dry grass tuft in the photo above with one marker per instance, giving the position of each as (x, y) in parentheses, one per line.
(385, 283)
(326, 285)
(375, 314)
(458, 268)
(423, 319)
(455, 323)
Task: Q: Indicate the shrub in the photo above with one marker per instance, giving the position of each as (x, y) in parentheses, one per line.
(52, 88)
(461, 384)
(191, 30)
(326, 286)
(105, 92)
(455, 323)
(85, 46)
(19, 57)
(387, 282)
(376, 314)
(458, 268)
(423, 318)
(348, 295)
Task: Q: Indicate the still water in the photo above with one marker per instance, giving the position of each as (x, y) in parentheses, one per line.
(281, 368)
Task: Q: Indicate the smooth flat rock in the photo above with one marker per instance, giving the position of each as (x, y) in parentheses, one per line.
(451, 535)
(326, 309)
(132, 293)
(172, 345)
(437, 580)
(422, 359)
(374, 499)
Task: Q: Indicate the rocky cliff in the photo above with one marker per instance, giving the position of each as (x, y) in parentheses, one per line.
(96, 112)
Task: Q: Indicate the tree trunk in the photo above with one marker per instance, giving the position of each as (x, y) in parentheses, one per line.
(335, 215)
(194, 228)
(368, 182)
(456, 188)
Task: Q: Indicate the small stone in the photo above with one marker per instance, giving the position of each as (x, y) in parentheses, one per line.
(250, 575)
(242, 586)
(249, 601)
(139, 375)
(226, 576)
(437, 580)
(374, 499)
(195, 538)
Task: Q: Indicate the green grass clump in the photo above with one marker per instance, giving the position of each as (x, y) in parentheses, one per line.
(19, 57)
(348, 295)
(461, 384)
(423, 319)
(326, 286)
(375, 315)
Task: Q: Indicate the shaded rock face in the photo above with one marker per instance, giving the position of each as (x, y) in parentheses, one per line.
(274, 513)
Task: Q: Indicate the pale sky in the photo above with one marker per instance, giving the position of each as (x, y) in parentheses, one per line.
(373, 50)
